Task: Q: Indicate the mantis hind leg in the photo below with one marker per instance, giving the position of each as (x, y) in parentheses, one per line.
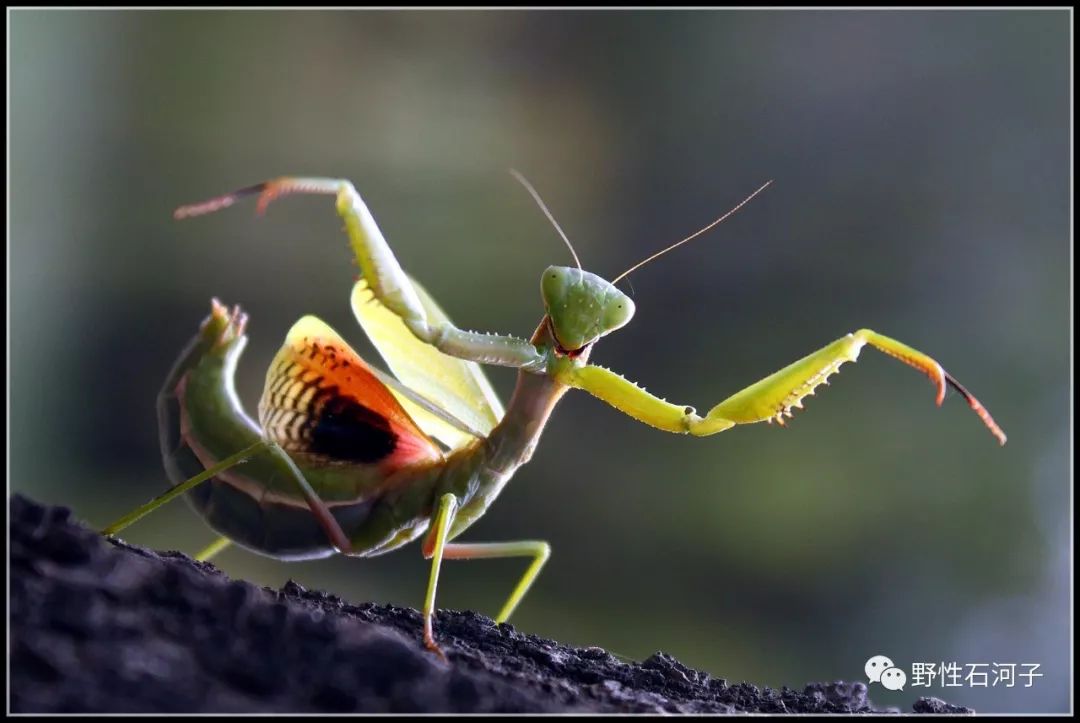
(323, 516)
(174, 492)
(211, 550)
(438, 549)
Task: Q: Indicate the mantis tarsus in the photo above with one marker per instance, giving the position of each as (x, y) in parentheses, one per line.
(344, 458)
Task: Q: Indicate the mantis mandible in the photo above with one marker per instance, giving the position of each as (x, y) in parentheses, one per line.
(348, 459)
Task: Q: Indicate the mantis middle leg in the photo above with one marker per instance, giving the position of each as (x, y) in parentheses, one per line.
(438, 549)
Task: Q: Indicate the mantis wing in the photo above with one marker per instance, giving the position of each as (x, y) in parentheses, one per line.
(321, 400)
(454, 385)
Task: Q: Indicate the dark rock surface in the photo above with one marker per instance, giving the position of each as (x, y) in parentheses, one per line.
(103, 626)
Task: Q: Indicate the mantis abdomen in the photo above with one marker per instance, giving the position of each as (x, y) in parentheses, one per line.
(262, 503)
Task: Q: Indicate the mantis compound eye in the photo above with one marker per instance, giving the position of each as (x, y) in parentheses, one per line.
(618, 311)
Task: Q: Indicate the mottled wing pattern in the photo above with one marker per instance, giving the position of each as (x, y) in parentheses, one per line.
(322, 402)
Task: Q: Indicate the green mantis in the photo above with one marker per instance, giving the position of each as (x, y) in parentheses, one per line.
(348, 459)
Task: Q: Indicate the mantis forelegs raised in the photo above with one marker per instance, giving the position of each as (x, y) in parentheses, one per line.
(769, 399)
(438, 549)
(390, 284)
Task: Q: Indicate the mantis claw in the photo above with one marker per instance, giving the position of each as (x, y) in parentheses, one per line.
(978, 408)
(937, 374)
(217, 203)
(270, 191)
(909, 356)
(267, 191)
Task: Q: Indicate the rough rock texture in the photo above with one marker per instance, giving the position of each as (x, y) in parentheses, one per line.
(99, 626)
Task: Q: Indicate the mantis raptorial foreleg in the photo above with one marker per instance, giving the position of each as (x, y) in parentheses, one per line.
(770, 399)
(438, 549)
(384, 274)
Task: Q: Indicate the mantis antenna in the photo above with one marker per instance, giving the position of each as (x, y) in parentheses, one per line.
(540, 202)
(692, 236)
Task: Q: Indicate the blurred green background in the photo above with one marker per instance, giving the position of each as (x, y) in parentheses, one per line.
(922, 189)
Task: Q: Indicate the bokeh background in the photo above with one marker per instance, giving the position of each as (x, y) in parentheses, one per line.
(922, 189)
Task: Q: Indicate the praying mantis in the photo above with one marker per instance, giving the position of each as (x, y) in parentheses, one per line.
(346, 458)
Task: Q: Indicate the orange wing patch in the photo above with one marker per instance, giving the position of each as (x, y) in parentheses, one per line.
(322, 401)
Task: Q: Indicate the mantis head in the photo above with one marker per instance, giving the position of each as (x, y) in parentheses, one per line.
(582, 306)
